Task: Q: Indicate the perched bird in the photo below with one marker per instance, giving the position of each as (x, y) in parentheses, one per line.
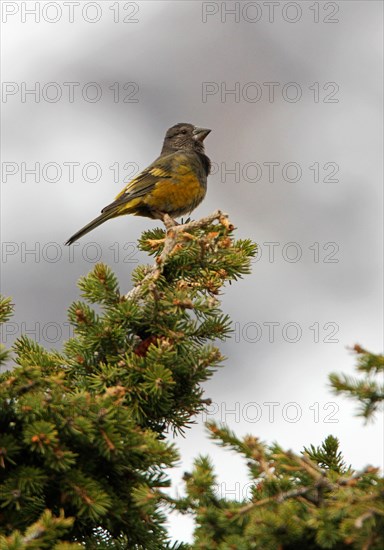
(174, 184)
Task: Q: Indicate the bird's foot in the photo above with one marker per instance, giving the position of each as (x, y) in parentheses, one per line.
(169, 222)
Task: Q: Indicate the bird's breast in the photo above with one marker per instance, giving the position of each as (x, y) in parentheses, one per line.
(177, 196)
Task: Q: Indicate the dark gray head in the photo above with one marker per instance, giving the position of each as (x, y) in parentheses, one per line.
(184, 137)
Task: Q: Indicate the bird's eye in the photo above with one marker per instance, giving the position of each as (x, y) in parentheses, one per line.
(183, 131)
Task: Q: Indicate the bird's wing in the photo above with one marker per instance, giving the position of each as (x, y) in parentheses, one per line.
(143, 183)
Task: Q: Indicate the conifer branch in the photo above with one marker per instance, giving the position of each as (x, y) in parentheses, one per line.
(171, 240)
(321, 483)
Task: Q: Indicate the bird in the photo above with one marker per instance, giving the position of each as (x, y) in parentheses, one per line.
(173, 185)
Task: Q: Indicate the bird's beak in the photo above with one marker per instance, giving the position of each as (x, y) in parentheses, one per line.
(199, 134)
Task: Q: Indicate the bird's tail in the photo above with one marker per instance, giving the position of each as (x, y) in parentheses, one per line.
(91, 225)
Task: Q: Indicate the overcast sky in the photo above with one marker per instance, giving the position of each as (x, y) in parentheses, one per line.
(293, 94)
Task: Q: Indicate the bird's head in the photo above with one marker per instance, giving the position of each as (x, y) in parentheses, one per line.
(184, 137)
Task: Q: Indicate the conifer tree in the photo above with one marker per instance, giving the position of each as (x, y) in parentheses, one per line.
(83, 447)
(312, 500)
(82, 437)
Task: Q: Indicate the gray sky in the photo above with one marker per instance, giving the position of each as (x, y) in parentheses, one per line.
(293, 94)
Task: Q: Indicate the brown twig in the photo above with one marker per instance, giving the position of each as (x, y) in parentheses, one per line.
(321, 483)
(276, 498)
